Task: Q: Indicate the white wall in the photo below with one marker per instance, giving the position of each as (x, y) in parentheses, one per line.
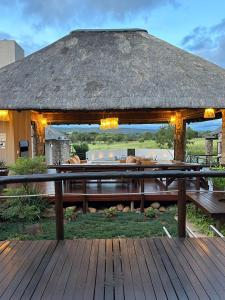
(10, 51)
(158, 154)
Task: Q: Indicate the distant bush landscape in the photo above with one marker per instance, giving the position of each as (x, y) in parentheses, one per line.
(163, 138)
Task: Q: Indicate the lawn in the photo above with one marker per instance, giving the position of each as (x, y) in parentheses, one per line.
(99, 226)
(196, 146)
(124, 145)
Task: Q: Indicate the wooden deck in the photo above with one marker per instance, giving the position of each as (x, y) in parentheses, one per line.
(116, 191)
(156, 268)
(212, 203)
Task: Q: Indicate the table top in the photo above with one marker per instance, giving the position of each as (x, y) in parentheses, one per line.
(127, 166)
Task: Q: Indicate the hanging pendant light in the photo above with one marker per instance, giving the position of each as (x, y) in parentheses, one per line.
(209, 113)
(109, 123)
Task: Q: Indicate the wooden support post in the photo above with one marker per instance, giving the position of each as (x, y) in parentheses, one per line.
(142, 195)
(179, 138)
(222, 161)
(59, 211)
(85, 204)
(181, 205)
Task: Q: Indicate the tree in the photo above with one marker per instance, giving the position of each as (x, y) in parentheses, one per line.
(165, 137)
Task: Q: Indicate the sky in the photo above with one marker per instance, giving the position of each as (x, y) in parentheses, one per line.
(197, 26)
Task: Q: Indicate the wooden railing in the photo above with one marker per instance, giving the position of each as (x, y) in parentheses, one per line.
(59, 178)
(203, 159)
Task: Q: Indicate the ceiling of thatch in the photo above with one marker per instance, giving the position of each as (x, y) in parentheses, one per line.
(105, 70)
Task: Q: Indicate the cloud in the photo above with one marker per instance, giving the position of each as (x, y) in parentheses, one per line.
(208, 42)
(5, 36)
(57, 12)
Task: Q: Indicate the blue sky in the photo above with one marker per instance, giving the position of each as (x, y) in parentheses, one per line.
(195, 25)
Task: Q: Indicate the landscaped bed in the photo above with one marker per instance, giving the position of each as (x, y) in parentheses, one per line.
(96, 225)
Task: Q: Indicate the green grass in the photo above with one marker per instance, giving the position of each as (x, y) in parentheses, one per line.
(124, 145)
(197, 146)
(92, 226)
(201, 220)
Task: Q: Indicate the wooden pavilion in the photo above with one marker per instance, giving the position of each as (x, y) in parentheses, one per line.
(81, 78)
(90, 74)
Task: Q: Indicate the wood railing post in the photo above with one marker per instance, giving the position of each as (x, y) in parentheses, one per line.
(142, 195)
(59, 214)
(181, 206)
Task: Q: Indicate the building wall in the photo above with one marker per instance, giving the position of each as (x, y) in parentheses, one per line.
(115, 154)
(16, 129)
(10, 51)
(57, 150)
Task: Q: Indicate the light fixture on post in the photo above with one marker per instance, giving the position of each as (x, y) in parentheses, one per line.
(4, 115)
(43, 121)
(209, 113)
(172, 120)
(109, 123)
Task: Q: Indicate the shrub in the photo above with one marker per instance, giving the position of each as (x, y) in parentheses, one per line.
(110, 212)
(2, 164)
(23, 208)
(150, 213)
(218, 182)
(81, 149)
(26, 166)
(70, 214)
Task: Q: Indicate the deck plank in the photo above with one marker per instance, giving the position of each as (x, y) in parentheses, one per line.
(118, 272)
(153, 271)
(209, 202)
(165, 277)
(75, 270)
(39, 272)
(145, 276)
(79, 284)
(31, 270)
(176, 274)
(18, 270)
(100, 273)
(200, 282)
(205, 276)
(118, 269)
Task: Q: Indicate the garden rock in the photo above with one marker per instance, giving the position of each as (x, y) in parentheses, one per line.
(155, 205)
(92, 210)
(73, 208)
(34, 229)
(49, 213)
(126, 209)
(120, 207)
(162, 209)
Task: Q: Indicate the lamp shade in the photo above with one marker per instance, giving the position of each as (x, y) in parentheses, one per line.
(209, 113)
(4, 115)
(109, 123)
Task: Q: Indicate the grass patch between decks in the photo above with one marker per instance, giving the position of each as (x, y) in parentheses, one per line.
(201, 220)
(97, 225)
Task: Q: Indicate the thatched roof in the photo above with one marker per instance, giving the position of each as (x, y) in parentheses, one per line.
(105, 70)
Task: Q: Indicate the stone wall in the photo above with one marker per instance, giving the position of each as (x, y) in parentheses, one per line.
(57, 150)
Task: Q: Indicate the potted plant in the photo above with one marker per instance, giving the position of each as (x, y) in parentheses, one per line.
(3, 168)
(218, 182)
